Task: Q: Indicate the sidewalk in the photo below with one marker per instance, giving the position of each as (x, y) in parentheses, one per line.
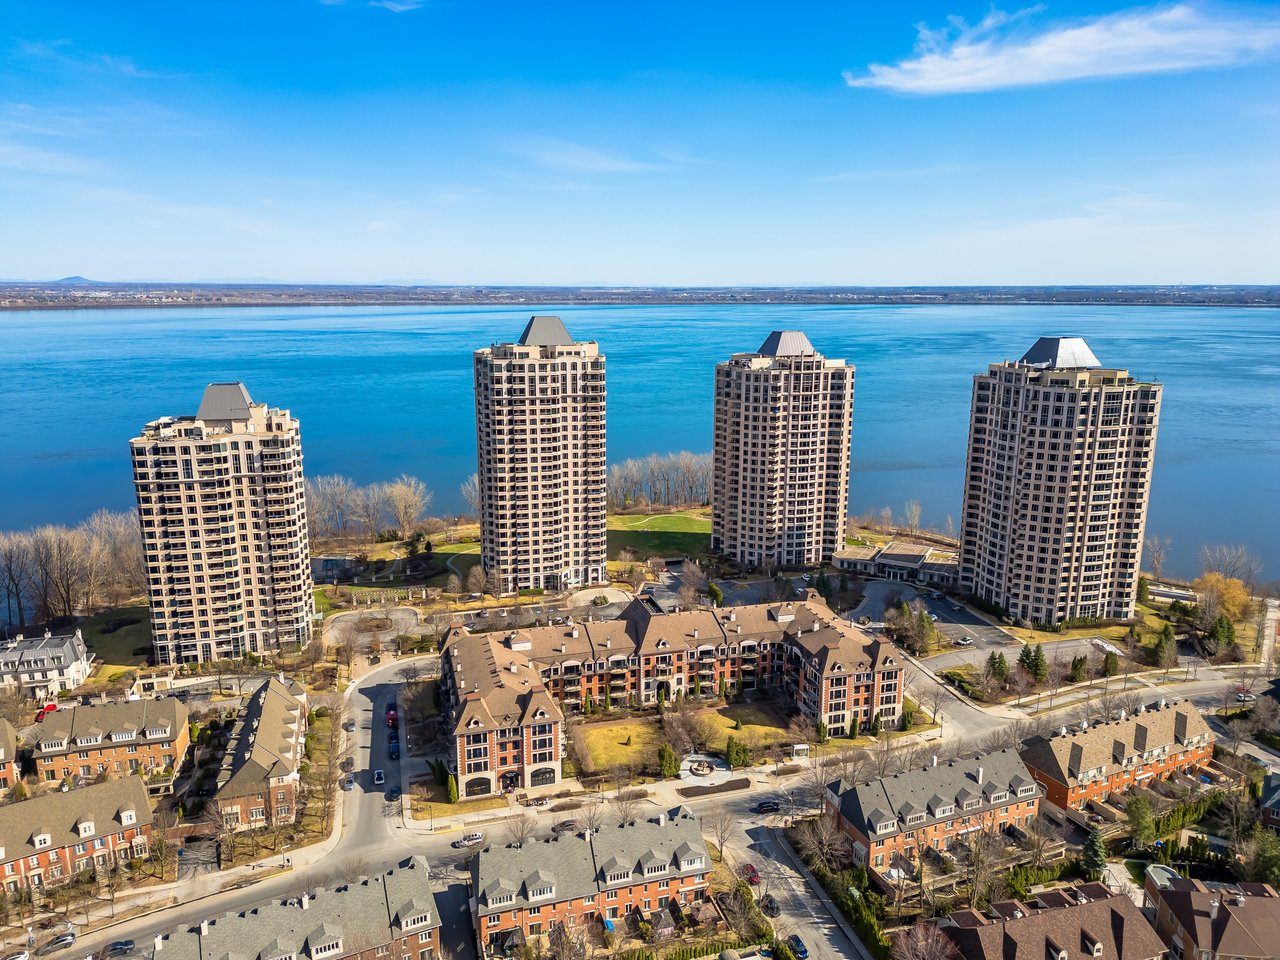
(819, 893)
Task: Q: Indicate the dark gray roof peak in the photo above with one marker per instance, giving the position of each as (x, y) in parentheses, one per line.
(786, 343)
(545, 332)
(224, 401)
(1060, 353)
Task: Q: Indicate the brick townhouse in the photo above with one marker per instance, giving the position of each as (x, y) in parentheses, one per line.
(1201, 921)
(10, 770)
(891, 821)
(832, 671)
(507, 728)
(146, 737)
(390, 916)
(1064, 924)
(1094, 761)
(588, 879)
(49, 839)
(258, 781)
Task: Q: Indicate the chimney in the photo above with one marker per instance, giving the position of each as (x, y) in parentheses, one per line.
(1062, 731)
(979, 775)
(935, 759)
(1122, 713)
(695, 633)
(573, 633)
(662, 819)
(1163, 703)
(204, 924)
(157, 943)
(306, 901)
(1213, 910)
(733, 615)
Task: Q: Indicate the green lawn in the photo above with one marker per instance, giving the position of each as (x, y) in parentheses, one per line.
(606, 742)
(659, 543)
(465, 554)
(668, 522)
(758, 723)
(115, 635)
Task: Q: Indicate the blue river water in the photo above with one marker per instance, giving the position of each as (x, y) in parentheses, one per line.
(385, 390)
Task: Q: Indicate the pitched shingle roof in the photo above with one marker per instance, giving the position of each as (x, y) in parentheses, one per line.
(1079, 921)
(126, 718)
(365, 913)
(931, 791)
(59, 814)
(1247, 922)
(579, 864)
(1106, 745)
(265, 742)
(496, 685)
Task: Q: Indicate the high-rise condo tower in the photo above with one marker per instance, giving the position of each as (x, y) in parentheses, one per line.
(1056, 489)
(540, 439)
(223, 513)
(780, 482)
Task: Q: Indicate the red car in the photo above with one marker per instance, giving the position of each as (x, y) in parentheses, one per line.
(47, 709)
(751, 874)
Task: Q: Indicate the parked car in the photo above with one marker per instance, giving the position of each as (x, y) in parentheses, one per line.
(393, 750)
(750, 874)
(349, 726)
(47, 709)
(769, 905)
(349, 782)
(379, 778)
(468, 840)
(20, 955)
(565, 826)
(118, 949)
(933, 617)
(393, 795)
(768, 806)
(1245, 698)
(964, 642)
(393, 735)
(797, 947)
(57, 943)
(957, 608)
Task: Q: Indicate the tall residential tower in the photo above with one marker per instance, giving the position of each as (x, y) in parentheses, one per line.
(780, 486)
(540, 444)
(1056, 489)
(223, 514)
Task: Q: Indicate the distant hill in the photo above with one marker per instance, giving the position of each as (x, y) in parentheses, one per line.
(75, 282)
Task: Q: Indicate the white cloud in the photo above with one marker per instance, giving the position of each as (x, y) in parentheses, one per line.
(28, 159)
(397, 6)
(576, 157)
(1003, 51)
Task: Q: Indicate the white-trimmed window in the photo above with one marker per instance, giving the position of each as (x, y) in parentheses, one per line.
(540, 893)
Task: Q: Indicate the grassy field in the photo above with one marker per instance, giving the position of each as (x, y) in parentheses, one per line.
(465, 554)
(430, 800)
(606, 742)
(115, 647)
(1148, 631)
(758, 723)
(660, 534)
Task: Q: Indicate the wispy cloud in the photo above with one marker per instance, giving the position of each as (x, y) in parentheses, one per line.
(1005, 51)
(397, 6)
(579, 158)
(28, 159)
(62, 51)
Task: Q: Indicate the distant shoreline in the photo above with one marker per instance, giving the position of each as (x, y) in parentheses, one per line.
(90, 295)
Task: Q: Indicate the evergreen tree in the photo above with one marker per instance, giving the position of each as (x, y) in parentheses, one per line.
(662, 698)
(608, 700)
(1095, 855)
(875, 725)
(697, 685)
(1142, 825)
(586, 703)
(821, 731)
(453, 789)
(1110, 664)
(724, 689)
(668, 762)
(1144, 595)
(1039, 665)
(1079, 669)
(1026, 656)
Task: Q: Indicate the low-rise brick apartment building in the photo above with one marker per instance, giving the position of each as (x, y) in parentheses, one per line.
(42, 667)
(593, 878)
(390, 916)
(10, 769)
(1092, 762)
(258, 781)
(1076, 923)
(49, 839)
(146, 737)
(832, 671)
(506, 726)
(1199, 921)
(892, 821)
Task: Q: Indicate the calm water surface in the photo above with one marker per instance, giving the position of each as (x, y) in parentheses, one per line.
(384, 390)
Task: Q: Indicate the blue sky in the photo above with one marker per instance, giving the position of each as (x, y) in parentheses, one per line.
(641, 143)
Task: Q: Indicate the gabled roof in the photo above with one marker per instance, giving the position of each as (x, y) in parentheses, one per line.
(265, 742)
(545, 332)
(106, 719)
(58, 814)
(1060, 353)
(1243, 921)
(224, 401)
(786, 343)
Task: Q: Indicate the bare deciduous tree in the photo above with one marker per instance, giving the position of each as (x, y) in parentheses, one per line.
(911, 515)
(923, 941)
(370, 505)
(1157, 548)
(407, 498)
(721, 823)
(1233, 561)
(330, 500)
(821, 840)
(626, 805)
(521, 830)
(470, 490)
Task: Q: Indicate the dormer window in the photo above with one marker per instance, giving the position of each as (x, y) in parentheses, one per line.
(327, 949)
(540, 893)
(1027, 790)
(128, 817)
(662, 644)
(85, 828)
(655, 869)
(41, 840)
(619, 877)
(419, 920)
(693, 863)
(121, 735)
(89, 740)
(1000, 796)
(885, 826)
(971, 805)
(947, 810)
(915, 818)
(500, 900)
